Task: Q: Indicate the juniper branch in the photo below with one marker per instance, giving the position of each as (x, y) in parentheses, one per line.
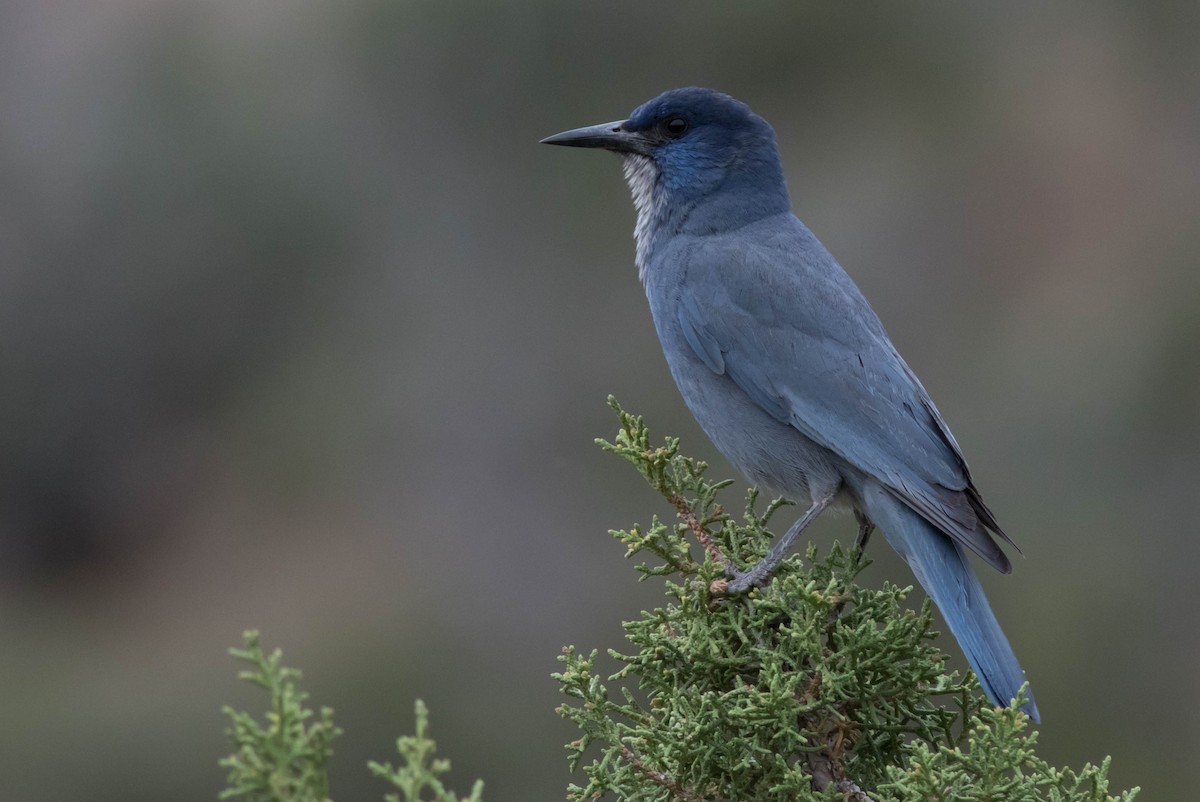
(812, 688)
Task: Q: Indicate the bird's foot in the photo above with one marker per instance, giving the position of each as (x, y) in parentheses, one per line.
(759, 576)
(742, 581)
(865, 528)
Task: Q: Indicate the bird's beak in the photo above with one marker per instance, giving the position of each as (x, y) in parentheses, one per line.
(610, 136)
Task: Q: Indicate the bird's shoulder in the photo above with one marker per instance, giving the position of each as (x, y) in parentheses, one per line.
(777, 273)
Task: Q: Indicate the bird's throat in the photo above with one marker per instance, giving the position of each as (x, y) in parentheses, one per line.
(649, 199)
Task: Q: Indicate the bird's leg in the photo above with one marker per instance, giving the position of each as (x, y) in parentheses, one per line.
(760, 574)
(865, 528)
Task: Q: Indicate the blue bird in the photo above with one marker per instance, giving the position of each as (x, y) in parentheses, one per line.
(785, 365)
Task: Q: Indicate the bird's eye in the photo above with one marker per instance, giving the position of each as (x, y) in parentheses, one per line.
(676, 126)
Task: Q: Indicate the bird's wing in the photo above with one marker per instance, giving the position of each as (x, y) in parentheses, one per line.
(789, 327)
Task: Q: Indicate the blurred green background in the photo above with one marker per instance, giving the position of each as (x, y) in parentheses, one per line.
(302, 330)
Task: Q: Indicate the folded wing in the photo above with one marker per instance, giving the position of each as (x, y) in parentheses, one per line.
(774, 321)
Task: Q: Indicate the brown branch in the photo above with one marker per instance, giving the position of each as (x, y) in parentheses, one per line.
(694, 523)
(659, 777)
(824, 764)
(852, 791)
(826, 767)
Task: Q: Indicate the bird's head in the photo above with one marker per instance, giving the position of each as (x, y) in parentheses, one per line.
(690, 146)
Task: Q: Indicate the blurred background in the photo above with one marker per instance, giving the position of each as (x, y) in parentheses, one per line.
(301, 330)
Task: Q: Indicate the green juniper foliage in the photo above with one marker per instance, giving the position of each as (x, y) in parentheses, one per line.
(813, 688)
(284, 760)
(421, 770)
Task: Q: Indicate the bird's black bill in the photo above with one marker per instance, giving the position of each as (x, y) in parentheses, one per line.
(609, 136)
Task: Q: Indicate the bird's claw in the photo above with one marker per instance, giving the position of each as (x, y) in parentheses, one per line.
(742, 581)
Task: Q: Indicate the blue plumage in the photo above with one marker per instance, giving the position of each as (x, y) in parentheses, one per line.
(785, 365)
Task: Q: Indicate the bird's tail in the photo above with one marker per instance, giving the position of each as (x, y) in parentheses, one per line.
(942, 569)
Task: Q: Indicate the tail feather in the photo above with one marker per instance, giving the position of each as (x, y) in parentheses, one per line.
(941, 567)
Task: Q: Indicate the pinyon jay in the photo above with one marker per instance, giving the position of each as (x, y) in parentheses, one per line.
(786, 366)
